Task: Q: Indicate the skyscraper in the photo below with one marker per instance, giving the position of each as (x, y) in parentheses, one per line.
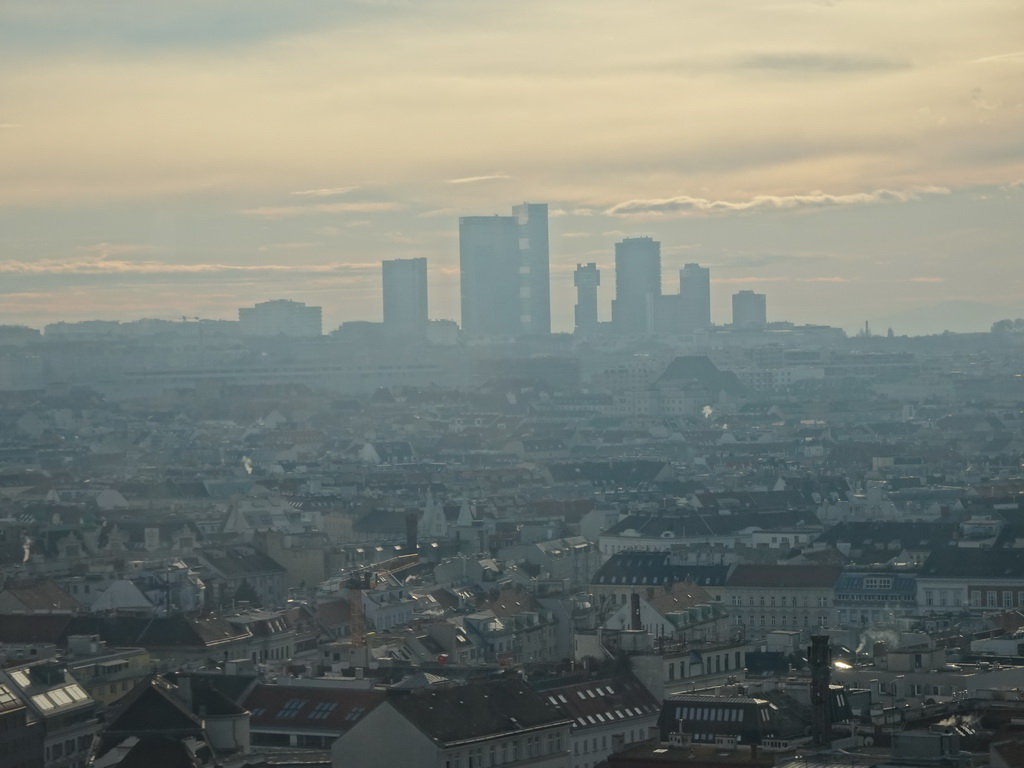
(504, 272)
(405, 296)
(586, 278)
(749, 310)
(637, 284)
(534, 269)
(695, 294)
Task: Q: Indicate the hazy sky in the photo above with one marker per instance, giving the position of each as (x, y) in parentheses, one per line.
(853, 159)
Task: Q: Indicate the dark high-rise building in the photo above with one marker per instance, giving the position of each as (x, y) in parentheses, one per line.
(504, 272)
(405, 296)
(695, 295)
(586, 278)
(637, 284)
(749, 310)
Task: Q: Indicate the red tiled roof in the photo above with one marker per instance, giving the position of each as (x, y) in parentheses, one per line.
(287, 707)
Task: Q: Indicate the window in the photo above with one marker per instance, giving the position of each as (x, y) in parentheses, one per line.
(323, 710)
(991, 598)
(291, 709)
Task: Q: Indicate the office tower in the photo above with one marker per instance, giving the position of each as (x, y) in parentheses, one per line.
(489, 275)
(405, 296)
(281, 318)
(749, 310)
(586, 278)
(534, 277)
(695, 295)
(637, 284)
(504, 272)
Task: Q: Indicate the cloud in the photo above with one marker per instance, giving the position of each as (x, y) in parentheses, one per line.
(751, 279)
(576, 234)
(823, 280)
(288, 211)
(287, 246)
(328, 192)
(927, 279)
(1016, 58)
(685, 205)
(821, 63)
(474, 179)
(101, 264)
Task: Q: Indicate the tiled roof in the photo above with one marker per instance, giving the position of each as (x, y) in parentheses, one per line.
(642, 569)
(960, 563)
(785, 576)
(43, 596)
(597, 703)
(286, 707)
(476, 710)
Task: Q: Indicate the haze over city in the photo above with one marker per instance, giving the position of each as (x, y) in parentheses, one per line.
(854, 161)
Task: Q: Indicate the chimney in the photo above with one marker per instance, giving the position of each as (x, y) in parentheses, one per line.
(819, 659)
(411, 531)
(634, 611)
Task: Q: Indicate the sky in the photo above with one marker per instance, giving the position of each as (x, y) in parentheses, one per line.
(855, 160)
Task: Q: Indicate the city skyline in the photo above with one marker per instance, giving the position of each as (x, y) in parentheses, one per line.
(190, 160)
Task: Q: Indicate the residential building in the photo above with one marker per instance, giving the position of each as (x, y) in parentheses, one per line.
(954, 579)
(281, 317)
(877, 597)
(606, 714)
(405, 296)
(309, 714)
(488, 723)
(637, 284)
(761, 598)
(21, 741)
(69, 716)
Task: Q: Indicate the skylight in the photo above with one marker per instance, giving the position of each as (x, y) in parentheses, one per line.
(291, 708)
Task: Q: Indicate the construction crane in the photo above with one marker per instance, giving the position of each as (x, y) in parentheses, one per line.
(365, 578)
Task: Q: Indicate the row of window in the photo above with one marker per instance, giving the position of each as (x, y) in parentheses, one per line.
(508, 751)
(780, 621)
(737, 600)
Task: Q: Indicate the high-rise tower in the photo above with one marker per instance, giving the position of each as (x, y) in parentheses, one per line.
(695, 295)
(586, 278)
(637, 284)
(534, 268)
(504, 272)
(405, 296)
(749, 310)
